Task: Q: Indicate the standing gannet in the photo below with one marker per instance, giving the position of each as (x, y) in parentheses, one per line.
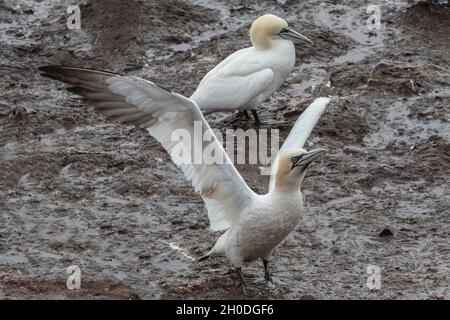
(249, 76)
(254, 224)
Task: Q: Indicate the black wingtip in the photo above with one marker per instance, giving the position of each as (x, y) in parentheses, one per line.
(56, 68)
(43, 68)
(75, 90)
(49, 68)
(48, 71)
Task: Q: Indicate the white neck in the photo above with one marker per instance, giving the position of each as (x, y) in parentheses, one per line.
(289, 185)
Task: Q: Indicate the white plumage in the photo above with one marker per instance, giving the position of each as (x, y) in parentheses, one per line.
(249, 76)
(254, 224)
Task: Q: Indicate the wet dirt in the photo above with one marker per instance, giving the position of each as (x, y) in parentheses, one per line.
(78, 190)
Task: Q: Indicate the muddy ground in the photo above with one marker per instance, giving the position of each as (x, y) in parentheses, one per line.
(78, 190)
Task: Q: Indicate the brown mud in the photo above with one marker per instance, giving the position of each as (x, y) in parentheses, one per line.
(78, 190)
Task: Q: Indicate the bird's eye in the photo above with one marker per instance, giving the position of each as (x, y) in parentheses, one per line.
(282, 31)
(296, 159)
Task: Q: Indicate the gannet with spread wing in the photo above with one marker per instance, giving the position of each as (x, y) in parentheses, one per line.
(249, 76)
(253, 224)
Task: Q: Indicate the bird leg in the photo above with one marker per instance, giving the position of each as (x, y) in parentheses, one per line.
(255, 115)
(247, 116)
(241, 277)
(242, 284)
(267, 273)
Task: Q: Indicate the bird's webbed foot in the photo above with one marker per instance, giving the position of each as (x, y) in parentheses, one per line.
(255, 115)
(241, 278)
(242, 284)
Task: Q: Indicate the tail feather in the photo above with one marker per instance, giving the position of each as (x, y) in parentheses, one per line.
(205, 257)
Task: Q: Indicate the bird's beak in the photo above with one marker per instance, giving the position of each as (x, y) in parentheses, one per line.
(293, 35)
(308, 157)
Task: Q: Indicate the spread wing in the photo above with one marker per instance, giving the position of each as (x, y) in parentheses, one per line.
(166, 116)
(301, 130)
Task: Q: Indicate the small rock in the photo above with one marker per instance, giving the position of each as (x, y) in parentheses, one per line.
(17, 112)
(386, 233)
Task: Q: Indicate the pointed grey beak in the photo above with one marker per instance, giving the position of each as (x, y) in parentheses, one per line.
(305, 159)
(293, 35)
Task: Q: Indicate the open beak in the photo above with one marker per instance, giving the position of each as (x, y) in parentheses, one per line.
(293, 35)
(308, 157)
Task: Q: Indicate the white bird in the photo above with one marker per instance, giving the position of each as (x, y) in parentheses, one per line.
(253, 224)
(249, 76)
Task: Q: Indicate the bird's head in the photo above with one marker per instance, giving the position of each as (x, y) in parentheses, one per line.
(292, 166)
(270, 27)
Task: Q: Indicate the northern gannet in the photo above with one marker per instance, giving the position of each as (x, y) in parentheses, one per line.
(253, 224)
(249, 76)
